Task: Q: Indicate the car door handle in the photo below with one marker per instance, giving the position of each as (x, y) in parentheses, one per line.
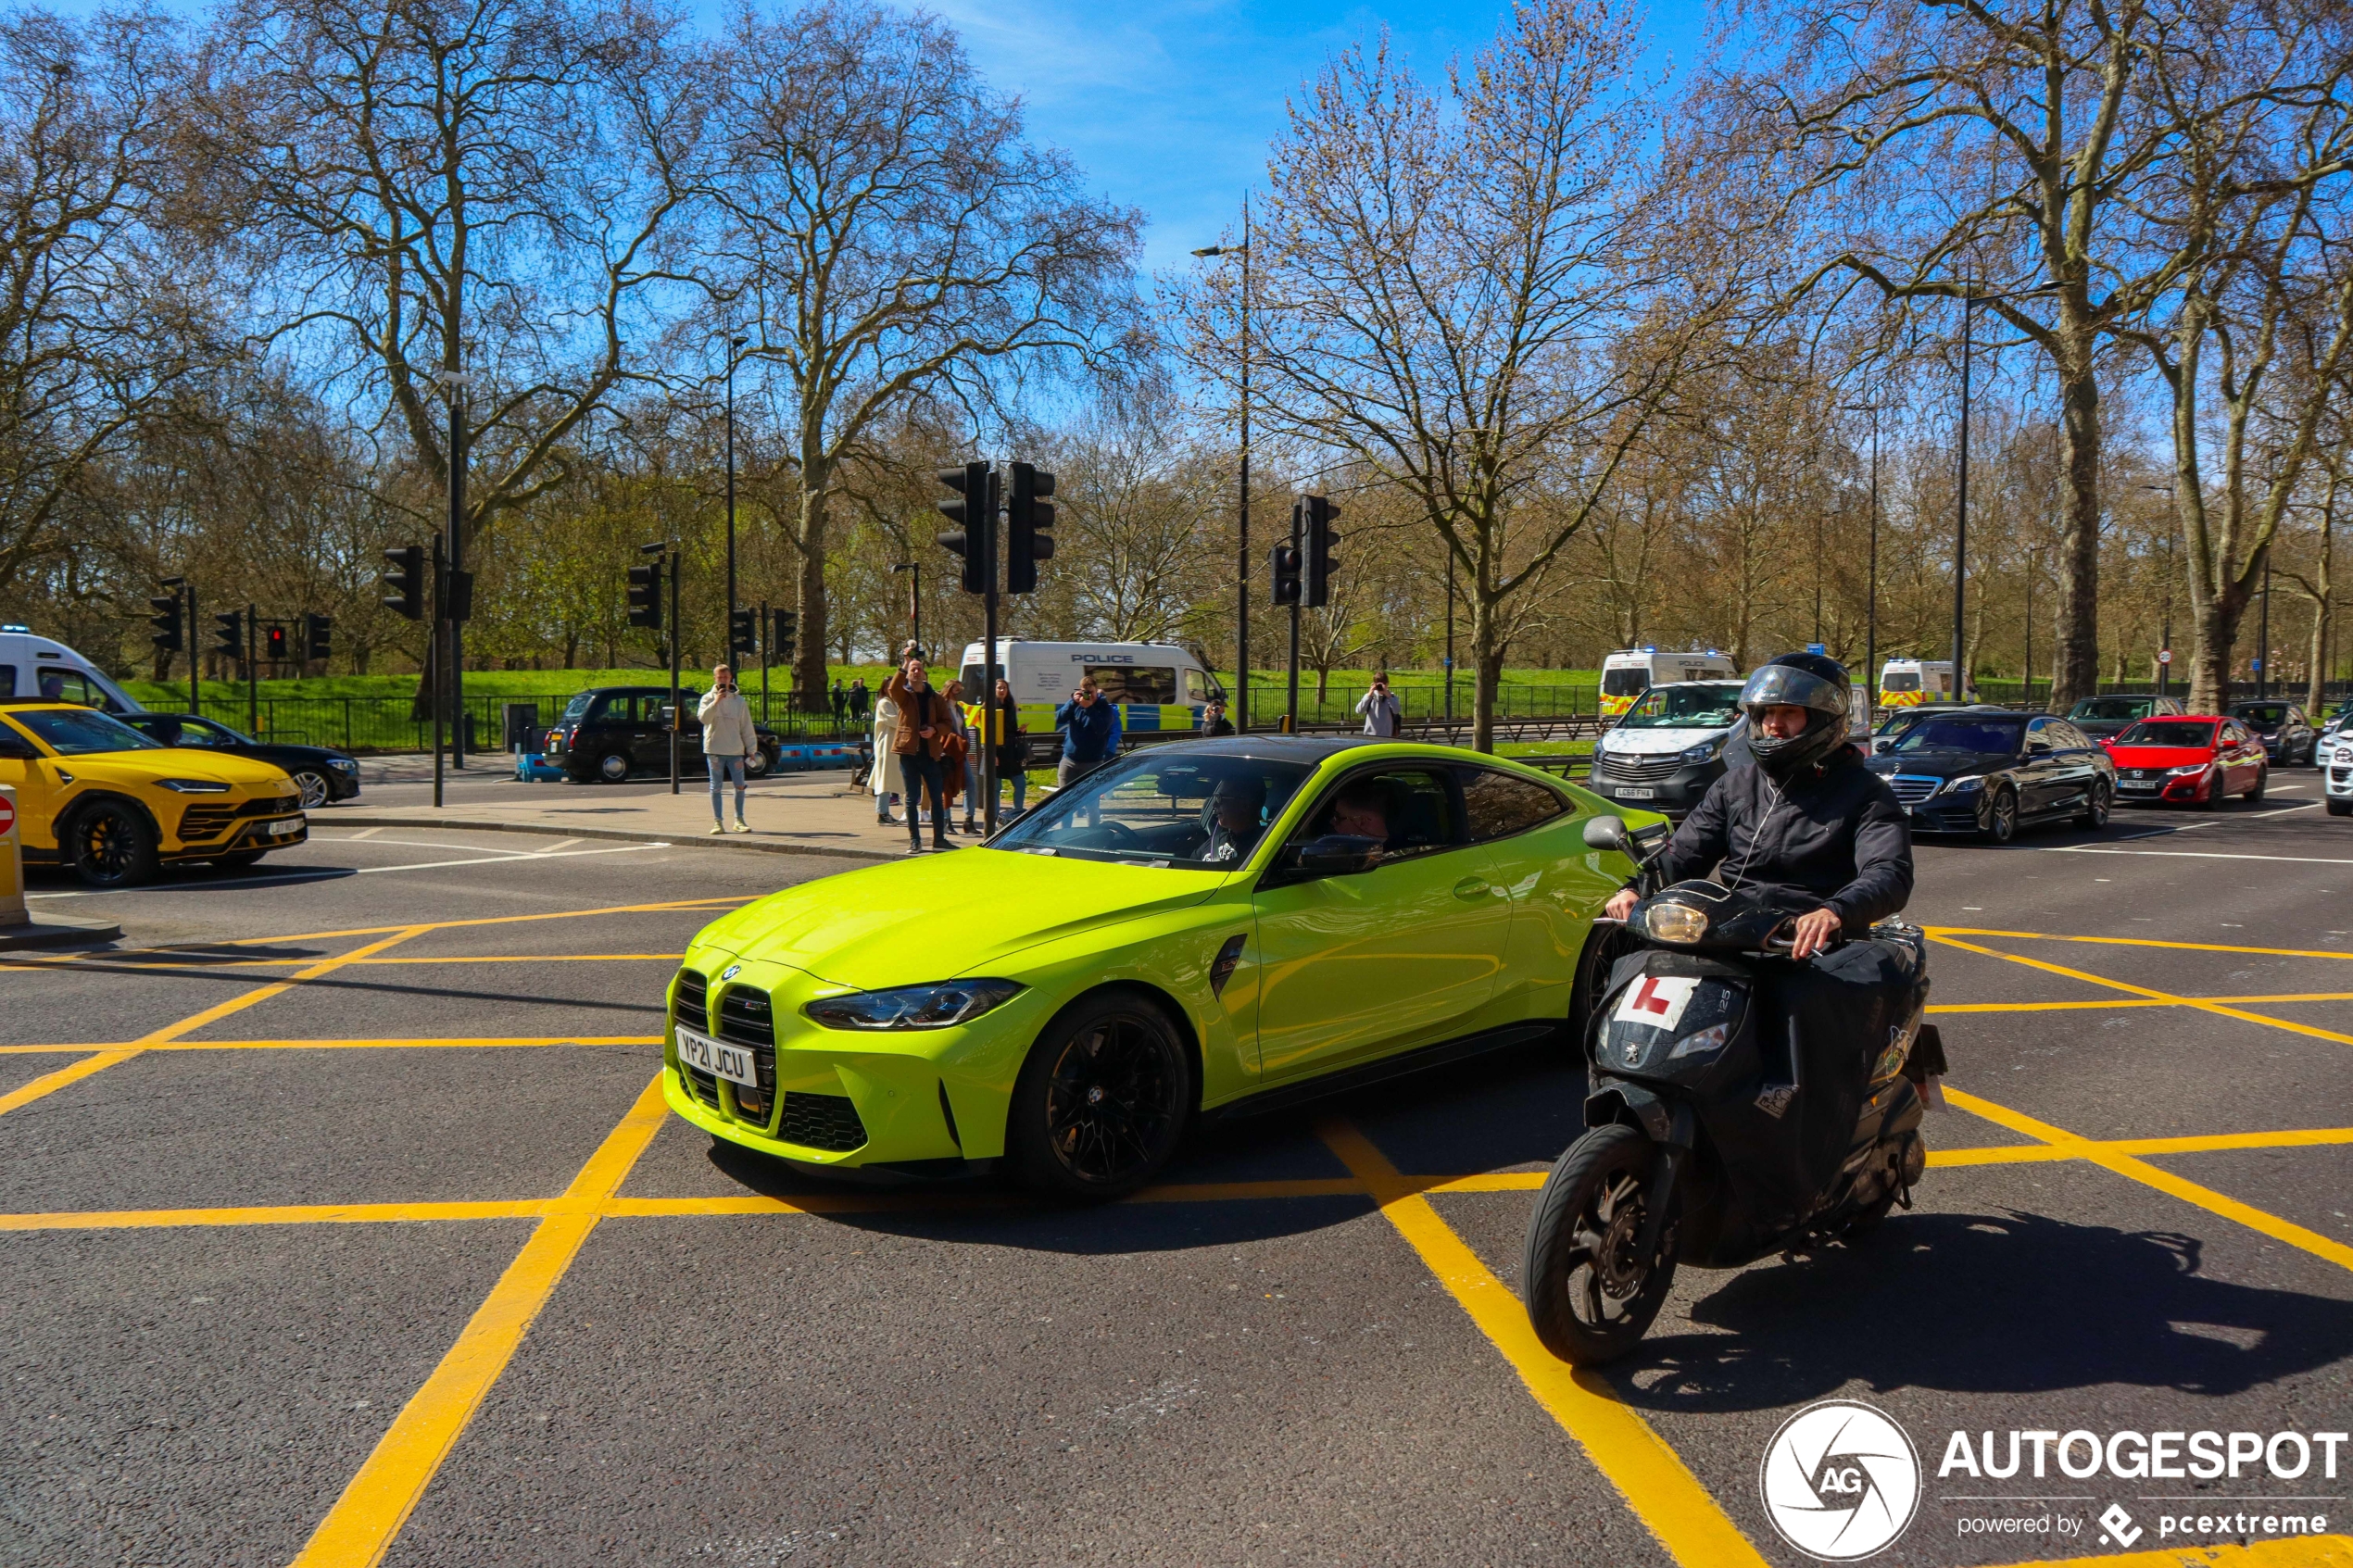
(1473, 888)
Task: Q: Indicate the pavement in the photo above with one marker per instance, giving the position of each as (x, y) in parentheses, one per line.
(810, 813)
(337, 1226)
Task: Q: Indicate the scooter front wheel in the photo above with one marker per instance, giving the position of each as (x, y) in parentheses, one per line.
(1591, 1293)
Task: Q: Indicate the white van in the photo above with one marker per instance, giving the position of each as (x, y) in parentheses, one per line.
(1907, 683)
(1670, 746)
(1628, 673)
(50, 671)
(1157, 685)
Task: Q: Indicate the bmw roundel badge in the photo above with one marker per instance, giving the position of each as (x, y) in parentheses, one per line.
(732, 970)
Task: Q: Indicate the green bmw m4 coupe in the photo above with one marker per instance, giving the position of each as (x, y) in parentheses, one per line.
(1201, 927)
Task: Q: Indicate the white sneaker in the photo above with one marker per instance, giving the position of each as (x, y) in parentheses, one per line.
(718, 827)
(741, 826)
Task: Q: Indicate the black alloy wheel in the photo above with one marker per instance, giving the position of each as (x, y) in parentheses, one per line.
(614, 767)
(1604, 945)
(1591, 1293)
(1997, 816)
(111, 845)
(316, 790)
(2098, 803)
(1102, 1099)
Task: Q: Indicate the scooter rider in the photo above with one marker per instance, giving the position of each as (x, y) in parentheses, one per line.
(1809, 817)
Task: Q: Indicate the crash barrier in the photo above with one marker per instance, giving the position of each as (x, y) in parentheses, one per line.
(366, 724)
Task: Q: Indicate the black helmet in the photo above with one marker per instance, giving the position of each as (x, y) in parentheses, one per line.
(1809, 680)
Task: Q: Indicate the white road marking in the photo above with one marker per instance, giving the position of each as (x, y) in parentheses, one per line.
(559, 844)
(282, 877)
(365, 833)
(2187, 855)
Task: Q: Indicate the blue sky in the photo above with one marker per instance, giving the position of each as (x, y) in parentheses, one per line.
(1169, 104)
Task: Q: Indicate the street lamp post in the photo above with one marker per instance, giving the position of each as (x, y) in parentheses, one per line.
(1241, 594)
(2165, 618)
(1870, 594)
(733, 344)
(449, 633)
(1969, 296)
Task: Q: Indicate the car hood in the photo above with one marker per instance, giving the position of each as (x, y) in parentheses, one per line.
(176, 762)
(945, 914)
(1939, 762)
(1654, 742)
(2160, 756)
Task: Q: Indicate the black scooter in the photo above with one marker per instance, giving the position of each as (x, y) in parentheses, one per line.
(1737, 1103)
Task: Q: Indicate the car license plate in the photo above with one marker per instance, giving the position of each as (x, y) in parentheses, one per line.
(286, 827)
(718, 1058)
(1633, 792)
(2145, 785)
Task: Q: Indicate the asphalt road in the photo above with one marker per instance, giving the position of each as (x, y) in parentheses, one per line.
(336, 1218)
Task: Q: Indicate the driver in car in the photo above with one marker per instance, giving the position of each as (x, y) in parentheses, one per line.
(1235, 808)
(1362, 811)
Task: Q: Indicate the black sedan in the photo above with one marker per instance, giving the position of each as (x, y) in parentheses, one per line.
(2104, 718)
(2288, 737)
(323, 774)
(1991, 773)
(608, 733)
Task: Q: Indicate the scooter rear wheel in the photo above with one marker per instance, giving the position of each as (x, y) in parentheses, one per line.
(1590, 1296)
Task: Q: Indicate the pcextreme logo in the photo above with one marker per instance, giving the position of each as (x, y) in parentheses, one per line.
(1840, 1480)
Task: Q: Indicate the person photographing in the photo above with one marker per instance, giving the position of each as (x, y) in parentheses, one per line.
(1089, 724)
(727, 739)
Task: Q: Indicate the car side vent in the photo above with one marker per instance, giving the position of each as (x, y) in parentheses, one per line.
(827, 1122)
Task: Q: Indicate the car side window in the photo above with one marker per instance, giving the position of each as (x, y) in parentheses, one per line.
(1497, 805)
(70, 685)
(195, 733)
(1411, 810)
(2066, 735)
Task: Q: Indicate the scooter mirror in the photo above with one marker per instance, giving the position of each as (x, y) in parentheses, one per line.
(1607, 832)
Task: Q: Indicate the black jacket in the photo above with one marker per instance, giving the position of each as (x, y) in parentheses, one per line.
(1837, 833)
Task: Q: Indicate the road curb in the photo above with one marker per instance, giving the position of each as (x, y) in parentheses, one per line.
(57, 931)
(626, 836)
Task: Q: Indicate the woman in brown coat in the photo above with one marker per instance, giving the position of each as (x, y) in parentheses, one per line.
(925, 722)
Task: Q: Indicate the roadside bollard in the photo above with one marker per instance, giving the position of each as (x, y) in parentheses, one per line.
(12, 910)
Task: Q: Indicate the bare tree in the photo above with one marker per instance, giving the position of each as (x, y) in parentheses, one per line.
(887, 234)
(1466, 292)
(100, 324)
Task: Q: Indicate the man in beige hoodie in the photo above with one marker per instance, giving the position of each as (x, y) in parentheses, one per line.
(727, 739)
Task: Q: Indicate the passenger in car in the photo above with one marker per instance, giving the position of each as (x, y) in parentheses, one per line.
(1236, 808)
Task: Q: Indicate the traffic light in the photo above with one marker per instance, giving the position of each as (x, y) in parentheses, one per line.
(1285, 561)
(976, 537)
(169, 635)
(273, 644)
(407, 581)
(1029, 516)
(784, 635)
(317, 636)
(229, 633)
(743, 633)
(1320, 538)
(644, 596)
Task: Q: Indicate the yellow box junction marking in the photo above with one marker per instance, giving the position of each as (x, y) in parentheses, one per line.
(361, 1525)
(1653, 1479)
(2220, 1009)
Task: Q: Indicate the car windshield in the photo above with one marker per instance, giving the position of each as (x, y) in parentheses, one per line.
(1160, 807)
(578, 707)
(1684, 707)
(2110, 708)
(1986, 735)
(2261, 712)
(1625, 680)
(2168, 732)
(1900, 680)
(73, 732)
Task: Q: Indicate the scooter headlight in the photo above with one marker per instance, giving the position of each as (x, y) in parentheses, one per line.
(1674, 922)
(1706, 1042)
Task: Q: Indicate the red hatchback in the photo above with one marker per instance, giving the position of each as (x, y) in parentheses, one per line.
(2187, 758)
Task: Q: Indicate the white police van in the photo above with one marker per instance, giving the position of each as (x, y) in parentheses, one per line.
(40, 670)
(1628, 673)
(1670, 746)
(1157, 685)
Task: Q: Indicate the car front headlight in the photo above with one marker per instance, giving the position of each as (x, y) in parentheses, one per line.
(1705, 751)
(1674, 922)
(2187, 769)
(342, 764)
(193, 786)
(942, 1005)
(1963, 785)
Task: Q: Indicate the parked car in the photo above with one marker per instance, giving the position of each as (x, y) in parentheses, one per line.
(323, 774)
(2288, 737)
(1903, 719)
(2189, 760)
(608, 733)
(1991, 771)
(2336, 773)
(2104, 716)
(1669, 747)
(98, 797)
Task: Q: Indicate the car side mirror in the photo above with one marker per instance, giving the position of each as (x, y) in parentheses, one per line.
(2038, 748)
(1339, 854)
(1607, 832)
(12, 745)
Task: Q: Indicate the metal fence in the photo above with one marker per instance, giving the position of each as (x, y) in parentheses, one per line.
(366, 724)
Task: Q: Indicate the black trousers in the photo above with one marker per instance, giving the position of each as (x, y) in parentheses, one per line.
(915, 772)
